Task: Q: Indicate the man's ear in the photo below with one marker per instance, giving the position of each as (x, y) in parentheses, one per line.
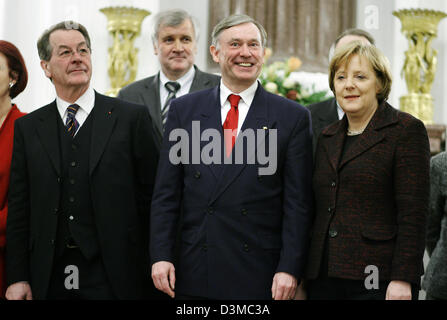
(46, 68)
(214, 53)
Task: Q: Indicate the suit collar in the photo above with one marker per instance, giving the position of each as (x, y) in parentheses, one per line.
(47, 130)
(335, 134)
(104, 119)
(257, 119)
(329, 114)
(201, 81)
(151, 98)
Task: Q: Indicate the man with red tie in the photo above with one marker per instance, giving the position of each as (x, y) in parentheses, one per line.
(244, 233)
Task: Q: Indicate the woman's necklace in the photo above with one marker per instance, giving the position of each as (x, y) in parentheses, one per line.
(355, 133)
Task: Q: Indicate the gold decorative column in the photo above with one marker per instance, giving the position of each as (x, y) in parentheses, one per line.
(124, 24)
(420, 28)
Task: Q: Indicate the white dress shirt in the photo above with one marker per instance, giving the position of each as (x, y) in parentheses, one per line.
(185, 85)
(247, 97)
(85, 102)
(340, 111)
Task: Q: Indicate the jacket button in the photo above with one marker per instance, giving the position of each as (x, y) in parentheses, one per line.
(333, 184)
(71, 199)
(52, 241)
(244, 212)
(333, 233)
(329, 210)
(210, 210)
(56, 210)
(59, 180)
(246, 248)
(197, 175)
(73, 164)
(71, 218)
(259, 178)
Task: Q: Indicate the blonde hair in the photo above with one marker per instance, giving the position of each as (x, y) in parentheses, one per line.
(374, 56)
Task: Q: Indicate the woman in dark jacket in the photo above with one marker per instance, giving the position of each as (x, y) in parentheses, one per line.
(435, 279)
(371, 182)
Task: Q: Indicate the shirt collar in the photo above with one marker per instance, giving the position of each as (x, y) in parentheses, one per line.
(86, 102)
(340, 111)
(187, 77)
(247, 95)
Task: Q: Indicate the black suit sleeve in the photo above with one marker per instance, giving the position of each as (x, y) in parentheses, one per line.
(17, 228)
(146, 153)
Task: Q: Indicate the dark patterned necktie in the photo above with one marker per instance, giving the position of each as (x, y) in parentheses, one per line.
(172, 87)
(71, 123)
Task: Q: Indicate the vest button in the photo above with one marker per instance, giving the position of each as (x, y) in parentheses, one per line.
(71, 218)
(72, 181)
(73, 164)
(71, 199)
(74, 147)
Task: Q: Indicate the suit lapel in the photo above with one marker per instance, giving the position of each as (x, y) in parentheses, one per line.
(199, 82)
(151, 98)
(384, 116)
(332, 114)
(335, 141)
(102, 126)
(257, 118)
(372, 135)
(211, 119)
(48, 132)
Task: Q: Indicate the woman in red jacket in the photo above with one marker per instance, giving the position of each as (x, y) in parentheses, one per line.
(13, 80)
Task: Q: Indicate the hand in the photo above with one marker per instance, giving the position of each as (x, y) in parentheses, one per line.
(163, 275)
(19, 291)
(284, 286)
(398, 290)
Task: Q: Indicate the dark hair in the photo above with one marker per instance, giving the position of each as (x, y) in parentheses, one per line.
(355, 32)
(16, 66)
(43, 44)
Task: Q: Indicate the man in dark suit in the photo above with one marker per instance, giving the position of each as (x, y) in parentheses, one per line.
(175, 44)
(245, 231)
(326, 112)
(82, 177)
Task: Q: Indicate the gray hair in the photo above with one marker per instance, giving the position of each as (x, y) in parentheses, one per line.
(235, 20)
(43, 44)
(173, 18)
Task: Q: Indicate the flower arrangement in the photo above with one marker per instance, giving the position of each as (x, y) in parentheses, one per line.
(281, 78)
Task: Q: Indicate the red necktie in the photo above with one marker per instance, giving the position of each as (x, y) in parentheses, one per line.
(231, 124)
